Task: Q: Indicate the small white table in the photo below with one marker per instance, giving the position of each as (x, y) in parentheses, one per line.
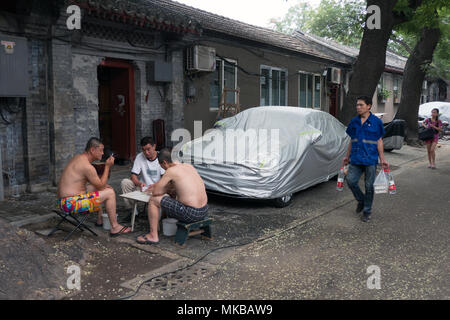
(136, 196)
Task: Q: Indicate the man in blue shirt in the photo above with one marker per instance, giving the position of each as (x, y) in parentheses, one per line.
(366, 132)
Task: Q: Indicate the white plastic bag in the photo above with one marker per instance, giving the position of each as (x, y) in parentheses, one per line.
(381, 184)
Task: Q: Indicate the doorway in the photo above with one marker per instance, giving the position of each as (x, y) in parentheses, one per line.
(334, 99)
(116, 95)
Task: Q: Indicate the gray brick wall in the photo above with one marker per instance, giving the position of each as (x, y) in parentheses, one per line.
(85, 98)
(176, 103)
(27, 152)
(61, 111)
(37, 129)
(163, 100)
(12, 148)
(63, 131)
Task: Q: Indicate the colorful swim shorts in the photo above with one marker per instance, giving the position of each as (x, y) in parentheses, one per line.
(81, 203)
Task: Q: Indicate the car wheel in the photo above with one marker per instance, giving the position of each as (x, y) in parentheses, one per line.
(283, 201)
(388, 150)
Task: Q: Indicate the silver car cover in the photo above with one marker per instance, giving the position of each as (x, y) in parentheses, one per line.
(268, 152)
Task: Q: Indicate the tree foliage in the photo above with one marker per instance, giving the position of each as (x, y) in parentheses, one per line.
(339, 20)
(343, 21)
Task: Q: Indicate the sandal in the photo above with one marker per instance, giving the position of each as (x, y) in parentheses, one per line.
(122, 231)
(149, 242)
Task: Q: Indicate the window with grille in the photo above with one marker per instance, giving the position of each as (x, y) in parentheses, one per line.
(310, 90)
(225, 76)
(273, 86)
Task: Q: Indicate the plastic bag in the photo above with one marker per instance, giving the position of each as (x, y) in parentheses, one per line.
(381, 184)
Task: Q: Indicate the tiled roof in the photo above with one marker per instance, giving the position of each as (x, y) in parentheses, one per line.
(393, 61)
(217, 23)
(141, 13)
(172, 16)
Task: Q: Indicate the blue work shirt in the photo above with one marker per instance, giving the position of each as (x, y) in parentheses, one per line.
(365, 140)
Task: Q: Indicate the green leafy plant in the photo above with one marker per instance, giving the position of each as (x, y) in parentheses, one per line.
(383, 94)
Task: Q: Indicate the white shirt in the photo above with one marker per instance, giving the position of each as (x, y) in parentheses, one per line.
(149, 172)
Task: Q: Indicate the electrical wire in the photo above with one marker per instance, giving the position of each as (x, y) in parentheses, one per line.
(234, 246)
(180, 269)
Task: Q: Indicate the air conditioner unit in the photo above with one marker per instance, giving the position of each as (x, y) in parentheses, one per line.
(201, 58)
(335, 75)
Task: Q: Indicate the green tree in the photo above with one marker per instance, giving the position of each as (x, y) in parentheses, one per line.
(430, 22)
(371, 60)
(296, 18)
(405, 30)
(339, 20)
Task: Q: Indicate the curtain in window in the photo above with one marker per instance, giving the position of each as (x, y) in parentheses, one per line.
(283, 88)
(302, 93)
(215, 85)
(275, 87)
(317, 91)
(265, 87)
(230, 81)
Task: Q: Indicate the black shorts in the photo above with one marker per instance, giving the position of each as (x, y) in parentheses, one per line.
(181, 212)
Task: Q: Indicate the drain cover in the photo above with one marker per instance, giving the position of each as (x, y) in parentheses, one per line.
(179, 279)
(170, 277)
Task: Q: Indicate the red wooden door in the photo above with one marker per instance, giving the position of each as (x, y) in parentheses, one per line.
(122, 108)
(120, 99)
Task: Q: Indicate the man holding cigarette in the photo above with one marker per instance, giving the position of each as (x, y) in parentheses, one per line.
(146, 170)
(80, 189)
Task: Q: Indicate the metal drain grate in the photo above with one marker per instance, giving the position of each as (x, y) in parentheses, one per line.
(179, 279)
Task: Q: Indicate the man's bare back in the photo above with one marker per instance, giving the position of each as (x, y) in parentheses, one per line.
(188, 184)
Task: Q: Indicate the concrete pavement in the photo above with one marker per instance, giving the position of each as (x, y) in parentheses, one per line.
(316, 248)
(326, 253)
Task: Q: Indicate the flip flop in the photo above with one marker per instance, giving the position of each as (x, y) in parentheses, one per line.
(149, 242)
(122, 231)
(99, 225)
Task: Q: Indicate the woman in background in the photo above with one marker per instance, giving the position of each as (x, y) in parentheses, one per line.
(436, 124)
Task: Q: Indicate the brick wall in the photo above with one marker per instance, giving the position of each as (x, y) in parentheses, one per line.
(165, 100)
(37, 128)
(85, 98)
(63, 128)
(24, 142)
(61, 111)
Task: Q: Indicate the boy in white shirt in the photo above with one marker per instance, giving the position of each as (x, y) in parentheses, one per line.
(146, 170)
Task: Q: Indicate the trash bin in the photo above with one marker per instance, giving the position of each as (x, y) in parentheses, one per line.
(394, 134)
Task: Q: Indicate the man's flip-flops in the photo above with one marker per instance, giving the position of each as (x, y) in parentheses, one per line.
(149, 242)
(122, 231)
(99, 225)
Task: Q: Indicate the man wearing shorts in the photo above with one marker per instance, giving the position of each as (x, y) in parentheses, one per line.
(74, 195)
(191, 204)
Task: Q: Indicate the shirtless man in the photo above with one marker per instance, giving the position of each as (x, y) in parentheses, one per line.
(192, 203)
(75, 196)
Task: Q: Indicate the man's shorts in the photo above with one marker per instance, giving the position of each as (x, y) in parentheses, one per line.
(181, 212)
(89, 202)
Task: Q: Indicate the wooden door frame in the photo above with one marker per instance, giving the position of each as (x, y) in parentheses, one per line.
(336, 97)
(123, 64)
